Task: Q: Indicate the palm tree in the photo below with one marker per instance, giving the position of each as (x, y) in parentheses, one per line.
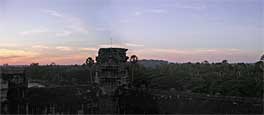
(224, 61)
(133, 60)
(205, 62)
(52, 64)
(90, 62)
(262, 58)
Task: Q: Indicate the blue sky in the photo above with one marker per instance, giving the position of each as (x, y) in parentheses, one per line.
(68, 31)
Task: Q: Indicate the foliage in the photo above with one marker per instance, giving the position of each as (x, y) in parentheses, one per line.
(60, 75)
(244, 80)
(240, 79)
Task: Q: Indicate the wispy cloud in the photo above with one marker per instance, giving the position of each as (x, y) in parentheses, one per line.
(76, 25)
(52, 13)
(150, 11)
(134, 45)
(88, 49)
(40, 47)
(188, 5)
(10, 53)
(8, 44)
(109, 45)
(63, 33)
(192, 7)
(145, 11)
(124, 20)
(121, 45)
(9, 57)
(36, 31)
(65, 59)
(192, 51)
(157, 11)
(72, 24)
(137, 13)
(101, 29)
(63, 48)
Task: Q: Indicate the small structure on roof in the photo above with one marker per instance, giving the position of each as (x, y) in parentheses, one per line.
(112, 56)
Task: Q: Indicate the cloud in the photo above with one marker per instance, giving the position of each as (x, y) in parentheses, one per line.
(146, 11)
(137, 13)
(9, 57)
(63, 33)
(109, 45)
(65, 59)
(18, 56)
(124, 20)
(63, 48)
(52, 13)
(73, 24)
(192, 7)
(189, 5)
(6, 54)
(120, 45)
(34, 31)
(134, 45)
(40, 47)
(88, 49)
(193, 51)
(150, 11)
(101, 29)
(76, 25)
(8, 45)
(157, 11)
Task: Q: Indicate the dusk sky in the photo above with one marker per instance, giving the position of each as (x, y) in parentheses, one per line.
(68, 31)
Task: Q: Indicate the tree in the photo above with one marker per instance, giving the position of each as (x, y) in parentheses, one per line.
(224, 61)
(34, 64)
(5, 65)
(262, 58)
(205, 62)
(52, 64)
(89, 61)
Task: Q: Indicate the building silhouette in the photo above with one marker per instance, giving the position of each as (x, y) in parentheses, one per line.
(111, 69)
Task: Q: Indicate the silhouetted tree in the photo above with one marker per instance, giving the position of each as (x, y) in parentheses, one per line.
(89, 61)
(205, 62)
(262, 58)
(34, 64)
(52, 64)
(224, 61)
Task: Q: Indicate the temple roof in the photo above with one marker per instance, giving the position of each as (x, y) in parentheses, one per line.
(113, 55)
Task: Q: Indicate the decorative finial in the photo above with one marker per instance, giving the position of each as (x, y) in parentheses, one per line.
(111, 41)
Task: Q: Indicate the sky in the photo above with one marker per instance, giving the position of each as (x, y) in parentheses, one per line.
(69, 31)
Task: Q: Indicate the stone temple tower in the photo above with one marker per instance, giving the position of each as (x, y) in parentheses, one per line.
(111, 69)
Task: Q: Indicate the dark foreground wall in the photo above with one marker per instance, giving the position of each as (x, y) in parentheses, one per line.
(66, 101)
(172, 102)
(193, 104)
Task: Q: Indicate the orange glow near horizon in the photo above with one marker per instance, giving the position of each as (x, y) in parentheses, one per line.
(22, 57)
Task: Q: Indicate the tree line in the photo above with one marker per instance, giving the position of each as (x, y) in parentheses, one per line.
(221, 79)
